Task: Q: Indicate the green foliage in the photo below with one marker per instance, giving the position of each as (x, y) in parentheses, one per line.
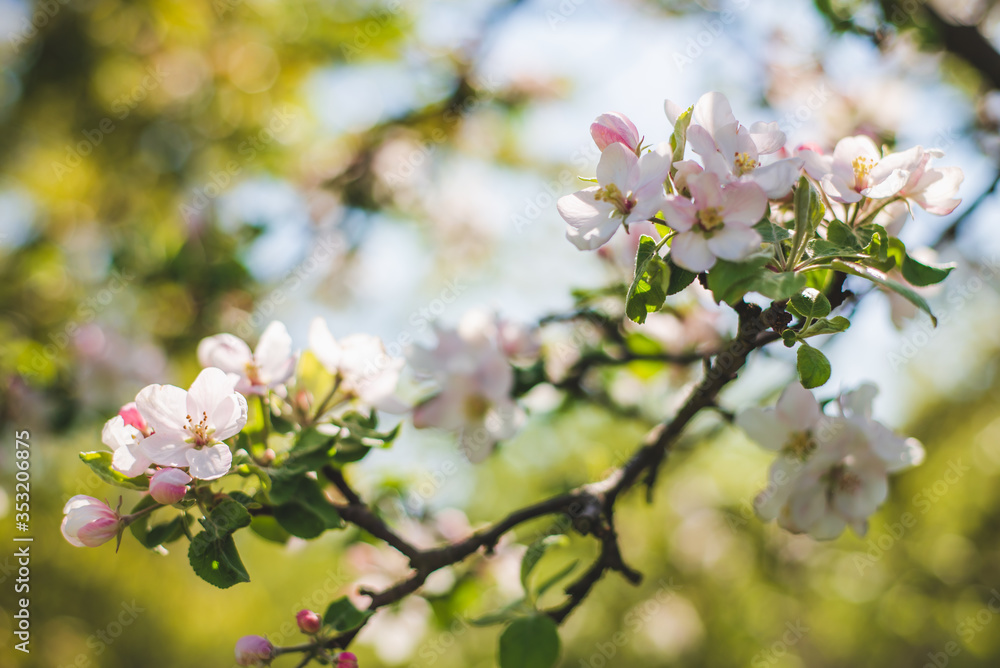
(649, 286)
(212, 553)
(812, 366)
(729, 281)
(810, 303)
(341, 615)
(100, 463)
(530, 642)
(880, 278)
(678, 140)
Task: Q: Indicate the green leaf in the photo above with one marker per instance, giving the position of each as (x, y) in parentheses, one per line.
(299, 520)
(530, 642)
(823, 326)
(678, 140)
(511, 612)
(841, 234)
(813, 367)
(810, 303)
(770, 232)
(920, 274)
(789, 337)
(535, 553)
(226, 518)
(649, 287)
(680, 277)
(729, 281)
(551, 581)
(343, 616)
(216, 560)
(100, 463)
(879, 278)
(269, 529)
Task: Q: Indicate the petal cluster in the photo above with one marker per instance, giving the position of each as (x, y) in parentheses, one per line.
(266, 368)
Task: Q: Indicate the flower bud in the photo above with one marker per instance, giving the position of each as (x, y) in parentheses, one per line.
(89, 522)
(253, 651)
(132, 417)
(309, 621)
(347, 660)
(614, 127)
(168, 486)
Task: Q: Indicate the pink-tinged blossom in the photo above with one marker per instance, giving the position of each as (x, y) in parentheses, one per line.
(191, 425)
(856, 169)
(472, 380)
(367, 374)
(718, 223)
(168, 486)
(347, 660)
(932, 188)
(267, 368)
(308, 621)
(615, 127)
(130, 414)
(126, 442)
(793, 427)
(89, 522)
(629, 190)
(732, 151)
(254, 651)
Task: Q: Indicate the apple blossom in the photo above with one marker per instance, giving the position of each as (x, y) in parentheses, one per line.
(615, 127)
(897, 452)
(933, 188)
(856, 169)
(89, 522)
(363, 368)
(793, 427)
(717, 224)
(126, 442)
(308, 621)
(130, 414)
(629, 190)
(266, 368)
(731, 151)
(168, 486)
(472, 379)
(254, 651)
(347, 660)
(191, 425)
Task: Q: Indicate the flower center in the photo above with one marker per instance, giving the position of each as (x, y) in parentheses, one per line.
(253, 373)
(800, 445)
(201, 433)
(710, 217)
(862, 168)
(744, 164)
(624, 202)
(476, 407)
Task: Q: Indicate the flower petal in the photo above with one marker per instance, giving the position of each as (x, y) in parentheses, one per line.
(690, 251)
(734, 242)
(163, 406)
(590, 222)
(274, 354)
(798, 408)
(209, 463)
(743, 202)
(225, 351)
(620, 166)
(765, 426)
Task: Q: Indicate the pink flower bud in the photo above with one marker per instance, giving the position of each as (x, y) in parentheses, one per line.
(89, 522)
(132, 417)
(253, 651)
(168, 486)
(614, 127)
(347, 660)
(309, 621)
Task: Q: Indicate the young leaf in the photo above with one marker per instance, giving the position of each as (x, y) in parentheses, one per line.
(680, 278)
(813, 367)
(100, 463)
(343, 616)
(649, 287)
(548, 584)
(810, 303)
(729, 281)
(876, 276)
(216, 560)
(678, 140)
(269, 529)
(535, 553)
(298, 520)
(770, 232)
(530, 642)
(917, 273)
(823, 326)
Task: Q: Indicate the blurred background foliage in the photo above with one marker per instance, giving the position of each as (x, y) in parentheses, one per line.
(169, 170)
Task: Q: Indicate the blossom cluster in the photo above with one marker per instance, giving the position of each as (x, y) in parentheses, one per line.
(742, 176)
(832, 470)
